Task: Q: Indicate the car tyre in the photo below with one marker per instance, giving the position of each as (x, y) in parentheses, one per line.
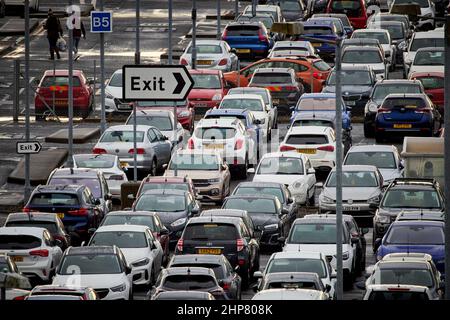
(378, 138)
(243, 169)
(154, 168)
(368, 131)
(312, 200)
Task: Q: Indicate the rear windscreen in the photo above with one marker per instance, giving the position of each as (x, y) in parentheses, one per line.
(59, 81)
(318, 30)
(307, 139)
(272, 78)
(189, 282)
(244, 30)
(407, 103)
(18, 242)
(313, 123)
(430, 83)
(217, 268)
(50, 226)
(210, 231)
(55, 199)
(398, 295)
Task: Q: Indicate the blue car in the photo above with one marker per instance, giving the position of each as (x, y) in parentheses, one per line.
(415, 236)
(321, 103)
(407, 114)
(249, 39)
(322, 29)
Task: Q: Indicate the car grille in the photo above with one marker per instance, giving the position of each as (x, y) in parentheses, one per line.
(102, 293)
(201, 182)
(355, 201)
(122, 104)
(355, 97)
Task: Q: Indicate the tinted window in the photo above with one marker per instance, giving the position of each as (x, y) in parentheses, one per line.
(271, 78)
(217, 268)
(351, 77)
(194, 162)
(416, 235)
(361, 56)
(250, 90)
(54, 199)
(292, 285)
(282, 165)
(395, 31)
(397, 295)
(407, 103)
(316, 30)
(191, 282)
(353, 179)
(19, 242)
(313, 123)
(352, 8)
(398, 198)
(252, 205)
(217, 133)
(313, 233)
(116, 80)
(415, 277)
(244, 30)
(59, 81)
(122, 136)
(381, 91)
(90, 264)
(321, 65)
(307, 139)
(318, 104)
(161, 203)
(422, 3)
(379, 159)
(206, 49)
(430, 83)
(429, 58)
(426, 42)
(206, 81)
(94, 162)
(129, 219)
(122, 239)
(50, 226)
(210, 231)
(380, 36)
(162, 123)
(167, 186)
(277, 192)
(297, 265)
(250, 104)
(93, 184)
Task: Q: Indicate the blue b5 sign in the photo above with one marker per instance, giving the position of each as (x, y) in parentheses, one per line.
(101, 21)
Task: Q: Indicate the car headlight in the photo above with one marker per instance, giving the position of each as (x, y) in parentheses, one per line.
(382, 219)
(119, 288)
(402, 46)
(178, 222)
(326, 199)
(373, 107)
(428, 15)
(345, 255)
(184, 114)
(375, 199)
(217, 97)
(271, 227)
(297, 184)
(140, 262)
(213, 180)
(108, 95)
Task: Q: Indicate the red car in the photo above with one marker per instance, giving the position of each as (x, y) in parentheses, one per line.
(354, 9)
(433, 83)
(53, 87)
(209, 89)
(185, 113)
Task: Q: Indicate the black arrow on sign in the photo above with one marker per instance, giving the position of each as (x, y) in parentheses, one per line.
(181, 83)
(37, 146)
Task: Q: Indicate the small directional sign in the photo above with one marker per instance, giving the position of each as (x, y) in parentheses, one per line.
(101, 21)
(28, 147)
(156, 83)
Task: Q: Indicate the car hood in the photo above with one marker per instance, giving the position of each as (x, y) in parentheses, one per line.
(349, 90)
(436, 251)
(389, 174)
(326, 249)
(325, 115)
(386, 211)
(95, 281)
(263, 219)
(168, 217)
(352, 193)
(205, 94)
(281, 178)
(134, 254)
(194, 174)
(116, 92)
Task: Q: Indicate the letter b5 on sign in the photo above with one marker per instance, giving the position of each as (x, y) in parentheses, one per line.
(101, 21)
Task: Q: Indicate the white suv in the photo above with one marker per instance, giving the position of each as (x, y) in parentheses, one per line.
(383, 37)
(229, 137)
(34, 250)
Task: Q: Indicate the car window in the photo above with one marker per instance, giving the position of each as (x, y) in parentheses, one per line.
(397, 295)
(122, 136)
(418, 277)
(350, 7)
(297, 265)
(430, 82)
(361, 56)
(216, 133)
(60, 81)
(161, 203)
(382, 37)
(54, 199)
(318, 30)
(353, 179)
(50, 226)
(410, 198)
(141, 220)
(90, 264)
(277, 192)
(19, 242)
(281, 165)
(188, 282)
(415, 235)
(160, 122)
(426, 42)
(167, 186)
(252, 205)
(206, 81)
(379, 159)
(314, 233)
(216, 268)
(210, 231)
(151, 135)
(122, 239)
(352, 77)
(249, 104)
(429, 58)
(242, 30)
(271, 78)
(94, 184)
(206, 49)
(310, 139)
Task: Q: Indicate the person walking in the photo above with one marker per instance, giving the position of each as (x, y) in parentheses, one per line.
(54, 30)
(77, 33)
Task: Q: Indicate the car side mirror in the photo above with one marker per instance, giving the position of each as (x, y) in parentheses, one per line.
(257, 275)
(364, 230)
(180, 138)
(430, 95)
(164, 232)
(233, 50)
(164, 138)
(327, 288)
(257, 121)
(311, 171)
(361, 285)
(127, 270)
(83, 243)
(281, 240)
(108, 196)
(347, 108)
(290, 200)
(154, 247)
(164, 166)
(194, 211)
(57, 242)
(237, 268)
(251, 170)
(401, 166)
(284, 211)
(97, 202)
(91, 231)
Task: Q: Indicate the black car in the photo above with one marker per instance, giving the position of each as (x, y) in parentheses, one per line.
(187, 278)
(272, 189)
(315, 6)
(233, 213)
(380, 91)
(357, 83)
(227, 277)
(406, 194)
(267, 213)
(174, 208)
(222, 235)
(49, 221)
(73, 204)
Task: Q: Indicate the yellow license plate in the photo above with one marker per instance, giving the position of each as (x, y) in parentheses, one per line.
(17, 258)
(243, 50)
(124, 164)
(60, 215)
(209, 251)
(316, 44)
(204, 62)
(214, 146)
(402, 126)
(307, 151)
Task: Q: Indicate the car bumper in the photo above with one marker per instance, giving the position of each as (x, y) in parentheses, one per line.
(202, 106)
(360, 211)
(300, 196)
(141, 162)
(144, 273)
(418, 131)
(322, 164)
(211, 192)
(40, 270)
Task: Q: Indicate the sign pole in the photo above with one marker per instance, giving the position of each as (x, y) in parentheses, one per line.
(137, 55)
(170, 56)
(134, 142)
(102, 77)
(27, 190)
(236, 8)
(447, 156)
(194, 34)
(70, 112)
(218, 20)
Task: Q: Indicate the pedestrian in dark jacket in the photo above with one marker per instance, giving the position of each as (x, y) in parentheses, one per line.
(77, 36)
(54, 30)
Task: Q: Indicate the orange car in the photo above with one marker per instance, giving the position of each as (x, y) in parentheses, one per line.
(307, 69)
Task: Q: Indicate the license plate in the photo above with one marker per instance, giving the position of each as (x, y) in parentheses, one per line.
(17, 258)
(209, 251)
(60, 102)
(307, 151)
(351, 208)
(124, 106)
(351, 103)
(60, 215)
(276, 101)
(402, 126)
(315, 44)
(214, 146)
(204, 62)
(243, 50)
(200, 105)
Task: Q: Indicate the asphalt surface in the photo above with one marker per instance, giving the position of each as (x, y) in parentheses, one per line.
(119, 50)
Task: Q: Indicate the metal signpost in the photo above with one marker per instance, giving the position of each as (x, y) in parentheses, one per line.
(70, 112)
(236, 8)
(27, 98)
(447, 155)
(28, 147)
(194, 34)
(218, 20)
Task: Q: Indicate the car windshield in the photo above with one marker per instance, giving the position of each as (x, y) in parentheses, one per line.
(217, 268)
(122, 136)
(352, 8)
(92, 183)
(266, 20)
(395, 31)
(281, 165)
(206, 81)
(277, 192)
(161, 203)
(406, 103)
(50, 226)
(313, 123)
(381, 91)
(351, 77)
(415, 235)
(210, 231)
(249, 90)
(18, 242)
(429, 58)
(314, 233)
(361, 56)
(397, 296)
(290, 6)
(297, 265)
(194, 162)
(206, 49)
(122, 239)
(94, 162)
(316, 104)
(54, 199)
(253, 206)
(215, 133)
(379, 159)
(421, 3)
(129, 218)
(189, 282)
(162, 123)
(380, 36)
(311, 139)
(90, 264)
(431, 83)
(417, 277)
(426, 42)
(271, 78)
(116, 80)
(354, 179)
(165, 185)
(249, 104)
(318, 30)
(59, 81)
(410, 198)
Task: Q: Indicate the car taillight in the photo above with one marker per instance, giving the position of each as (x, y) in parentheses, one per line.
(190, 144)
(225, 286)
(326, 148)
(79, 212)
(180, 245)
(20, 297)
(138, 151)
(59, 237)
(40, 253)
(262, 37)
(286, 148)
(98, 151)
(239, 244)
(424, 110)
(183, 62)
(317, 75)
(383, 110)
(238, 145)
(223, 62)
(115, 177)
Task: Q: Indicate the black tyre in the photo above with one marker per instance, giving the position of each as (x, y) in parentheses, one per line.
(378, 138)
(154, 168)
(312, 200)
(368, 131)
(243, 170)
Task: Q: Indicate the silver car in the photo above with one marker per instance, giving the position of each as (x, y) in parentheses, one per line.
(362, 187)
(211, 54)
(153, 148)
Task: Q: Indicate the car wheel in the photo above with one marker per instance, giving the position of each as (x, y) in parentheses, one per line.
(368, 131)
(378, 138)
(154, 168)
(312, 200)
(246, 278)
